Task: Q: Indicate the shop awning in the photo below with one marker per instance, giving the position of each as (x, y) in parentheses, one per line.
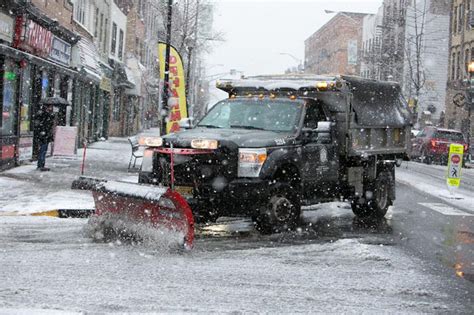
(18, 55)
(136, 70)
(89, 60)
(123, 78)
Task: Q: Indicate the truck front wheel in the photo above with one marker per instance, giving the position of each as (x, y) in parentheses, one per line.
(377, 198)
(280, 212)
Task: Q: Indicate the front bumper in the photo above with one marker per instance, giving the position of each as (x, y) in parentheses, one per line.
(240, 196)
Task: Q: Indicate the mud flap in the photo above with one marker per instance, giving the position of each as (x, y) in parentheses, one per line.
(159, 207)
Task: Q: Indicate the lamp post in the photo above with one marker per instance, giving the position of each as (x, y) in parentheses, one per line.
(164, 114)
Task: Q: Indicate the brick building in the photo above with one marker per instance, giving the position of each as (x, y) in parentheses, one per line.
(335, 47)
(461, 52)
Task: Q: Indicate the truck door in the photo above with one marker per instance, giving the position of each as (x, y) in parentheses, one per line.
(320, 159)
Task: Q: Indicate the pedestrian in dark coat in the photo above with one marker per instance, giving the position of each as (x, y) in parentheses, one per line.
(44, 124)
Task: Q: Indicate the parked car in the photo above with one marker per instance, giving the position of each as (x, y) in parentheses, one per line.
(431, 144)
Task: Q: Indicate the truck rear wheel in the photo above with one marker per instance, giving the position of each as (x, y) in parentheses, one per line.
(280, 212)
(377, 205)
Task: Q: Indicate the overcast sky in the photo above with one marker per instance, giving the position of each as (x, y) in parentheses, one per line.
(258, 31)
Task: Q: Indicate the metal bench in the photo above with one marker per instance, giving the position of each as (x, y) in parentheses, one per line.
(135, 153)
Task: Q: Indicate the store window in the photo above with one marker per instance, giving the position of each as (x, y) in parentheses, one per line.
(9, 93)
(25, 107)
(45, 84)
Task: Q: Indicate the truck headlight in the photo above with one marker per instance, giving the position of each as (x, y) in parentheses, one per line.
(251, 162)
(151, 141)
(204, 144)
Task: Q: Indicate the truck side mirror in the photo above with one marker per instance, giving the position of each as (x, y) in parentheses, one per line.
(324, 131)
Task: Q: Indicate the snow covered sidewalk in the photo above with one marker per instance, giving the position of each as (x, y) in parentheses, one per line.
(25, 190)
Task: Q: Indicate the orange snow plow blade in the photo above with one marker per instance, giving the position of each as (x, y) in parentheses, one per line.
(158, 207)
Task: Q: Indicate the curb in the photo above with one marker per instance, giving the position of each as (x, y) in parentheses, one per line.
(58, 213)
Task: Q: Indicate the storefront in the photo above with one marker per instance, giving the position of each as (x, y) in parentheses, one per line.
(8, 96)
(35, 64)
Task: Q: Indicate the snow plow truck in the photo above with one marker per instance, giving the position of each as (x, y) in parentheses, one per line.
(280, 142)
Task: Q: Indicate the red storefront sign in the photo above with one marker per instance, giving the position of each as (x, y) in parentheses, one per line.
(32, 37)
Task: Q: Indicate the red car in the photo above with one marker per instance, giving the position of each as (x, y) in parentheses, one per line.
(432, 144)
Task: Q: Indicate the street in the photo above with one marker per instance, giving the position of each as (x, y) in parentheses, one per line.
(419, 259)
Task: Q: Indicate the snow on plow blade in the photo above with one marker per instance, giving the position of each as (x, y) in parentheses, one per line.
(159, 207)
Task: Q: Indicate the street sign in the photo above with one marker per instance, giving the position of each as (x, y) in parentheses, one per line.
(453, 175)
(459, 99)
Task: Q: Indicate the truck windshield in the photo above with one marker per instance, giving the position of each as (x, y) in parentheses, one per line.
(272, 115)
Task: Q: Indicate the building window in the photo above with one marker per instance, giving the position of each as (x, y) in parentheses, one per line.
(466, 60)
(96, 22)
(461, 17)
(120, 48)
(113, 40)
(106, 30)
(455, 20)
(453, 67)
(137, 47)
(468, 8)
(101, 27)
(458, 63)
(80, 11)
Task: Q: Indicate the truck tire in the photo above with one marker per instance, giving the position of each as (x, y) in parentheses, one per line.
(377, 206)
(281, 210)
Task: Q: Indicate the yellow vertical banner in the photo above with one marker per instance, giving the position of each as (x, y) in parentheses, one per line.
(176, 87)
(454, 165)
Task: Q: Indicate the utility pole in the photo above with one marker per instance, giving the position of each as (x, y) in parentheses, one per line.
(165, 111)
(470, 104)
(190, 77)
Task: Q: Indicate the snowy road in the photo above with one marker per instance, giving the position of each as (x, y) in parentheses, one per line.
(339, 265)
